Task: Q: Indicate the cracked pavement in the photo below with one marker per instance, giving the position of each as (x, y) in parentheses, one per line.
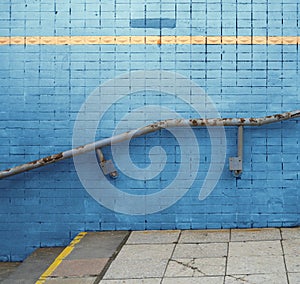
(251, 256)
(233, 256)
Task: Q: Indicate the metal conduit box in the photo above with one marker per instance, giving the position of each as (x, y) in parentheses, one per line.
(107, 167)
(235, 164)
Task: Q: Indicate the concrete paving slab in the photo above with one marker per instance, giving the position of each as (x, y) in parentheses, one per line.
(19, 281)
(200, 250)
(7, 268)
(133, 281)
(98, 245)
(81, 280)
(149, 258)
(43, 254)
(31, 269)
(80, 267)
(291, 247)
(294, 278)
(207, 236)
(263, 248)
(136, 268)
(255, 265)
(153, 237)
(240, 235)
(290, 233)
(146, 251)
(194, 280)
(257, 279)
(196, 267)
(293, 263)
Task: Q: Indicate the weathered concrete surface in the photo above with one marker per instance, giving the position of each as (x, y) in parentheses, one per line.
(161, 257)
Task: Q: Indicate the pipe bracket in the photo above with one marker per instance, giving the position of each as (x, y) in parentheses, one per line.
(236, 163)
(107, 166)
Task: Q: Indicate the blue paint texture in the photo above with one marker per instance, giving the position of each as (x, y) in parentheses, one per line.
(153, 23)
(43, 87)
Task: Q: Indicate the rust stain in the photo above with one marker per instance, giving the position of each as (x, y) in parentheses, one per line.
(278, 116)
(157, 125)
(58, 156)
(194, 121)
(52, 158)
(151, 128)
(48, 159)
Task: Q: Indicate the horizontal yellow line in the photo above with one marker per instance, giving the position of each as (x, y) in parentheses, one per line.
(60, 258)
(127, 40)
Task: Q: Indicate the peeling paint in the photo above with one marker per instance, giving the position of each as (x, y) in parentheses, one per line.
(148, 129)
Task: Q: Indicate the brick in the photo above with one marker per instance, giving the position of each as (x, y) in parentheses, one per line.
(43, 87)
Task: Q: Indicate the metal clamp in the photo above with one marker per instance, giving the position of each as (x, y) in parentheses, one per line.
(106, 166)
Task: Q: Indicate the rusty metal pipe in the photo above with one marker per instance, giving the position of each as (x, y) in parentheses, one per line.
(169, 123)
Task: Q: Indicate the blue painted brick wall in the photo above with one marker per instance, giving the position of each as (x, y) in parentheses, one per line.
(43, 87)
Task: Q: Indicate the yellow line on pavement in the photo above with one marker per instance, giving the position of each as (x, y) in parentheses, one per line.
(128, 40)
(60, 258)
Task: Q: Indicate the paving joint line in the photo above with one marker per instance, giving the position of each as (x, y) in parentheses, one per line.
(112, 258)
(283, 254)
(175, 244)
(227, 257)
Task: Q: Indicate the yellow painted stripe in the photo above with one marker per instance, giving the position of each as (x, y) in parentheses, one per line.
(60, 258)
(99, 40)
